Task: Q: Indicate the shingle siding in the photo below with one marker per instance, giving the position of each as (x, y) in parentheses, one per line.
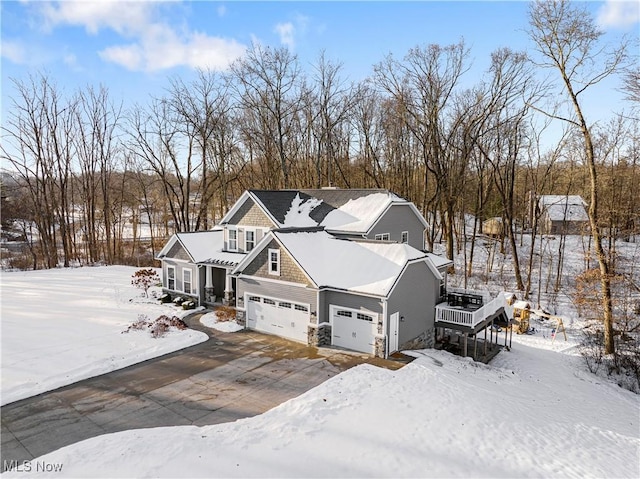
(289, 270)
(249, 214)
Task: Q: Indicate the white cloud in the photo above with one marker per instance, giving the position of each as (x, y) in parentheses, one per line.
(222, 10)
(123, 17)
(13, 51)
(286, 32)
(619, 14)
(290, 31)
(154, 44)
(161, 48)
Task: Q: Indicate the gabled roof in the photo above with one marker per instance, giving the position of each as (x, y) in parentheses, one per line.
(204, 247)
(564, 207)
(338, 210)
(370, 267)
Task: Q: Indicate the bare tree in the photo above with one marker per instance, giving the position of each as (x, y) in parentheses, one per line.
(566, 36)
(267, 83)
(38, 132)
(95, 148)
(424, 84)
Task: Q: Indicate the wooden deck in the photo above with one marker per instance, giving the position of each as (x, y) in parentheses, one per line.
(480, 355)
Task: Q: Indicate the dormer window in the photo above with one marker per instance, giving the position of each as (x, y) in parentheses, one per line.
(232, 244)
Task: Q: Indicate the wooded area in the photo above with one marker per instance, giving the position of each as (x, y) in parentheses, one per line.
(86, 180)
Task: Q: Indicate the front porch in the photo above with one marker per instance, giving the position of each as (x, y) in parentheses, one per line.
(217, 287)
(469, 314)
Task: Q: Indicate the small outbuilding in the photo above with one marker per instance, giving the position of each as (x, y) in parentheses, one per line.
(562, 214)
(493, 227)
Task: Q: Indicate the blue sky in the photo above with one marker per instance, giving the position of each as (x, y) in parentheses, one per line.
(134, 47)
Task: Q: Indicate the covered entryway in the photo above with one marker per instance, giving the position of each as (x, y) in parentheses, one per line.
(352, 329)
(277, 316)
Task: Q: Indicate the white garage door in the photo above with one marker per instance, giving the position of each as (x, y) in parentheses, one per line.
(275, 316)
(352, 329)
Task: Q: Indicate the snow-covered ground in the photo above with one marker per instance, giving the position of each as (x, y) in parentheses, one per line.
(534, 412)
(210, 320)
(63, 325)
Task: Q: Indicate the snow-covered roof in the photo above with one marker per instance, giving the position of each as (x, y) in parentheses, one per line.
(359, 215)
(206, 247)
(564, 207)
(359, 266)
(340, 210)
(439, 261)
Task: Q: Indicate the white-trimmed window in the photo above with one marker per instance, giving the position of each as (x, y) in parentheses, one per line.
(171, 278)
(382, 237)
(186, 281)
(232, 243)
(404, 237)
(249, 240)
(274, 262)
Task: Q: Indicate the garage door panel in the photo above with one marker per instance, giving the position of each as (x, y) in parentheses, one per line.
(352, 329)
(279, 317)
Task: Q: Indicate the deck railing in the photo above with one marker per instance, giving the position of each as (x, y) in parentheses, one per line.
(458, 315)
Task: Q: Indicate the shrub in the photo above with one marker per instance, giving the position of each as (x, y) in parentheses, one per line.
(165, 298)
(226, 313)
(144, 279)
(188, 304)
(623, 366)
(159, 326)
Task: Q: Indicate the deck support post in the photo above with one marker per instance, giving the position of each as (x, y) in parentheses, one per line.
(464, 346)
(485, 341)
(491, 347)
(475, 347)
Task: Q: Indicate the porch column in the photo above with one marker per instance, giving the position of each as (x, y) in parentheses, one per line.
(228, 288)
(209, 293)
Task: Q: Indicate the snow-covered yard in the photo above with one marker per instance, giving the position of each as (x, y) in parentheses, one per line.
(63, 325)
(534, 412)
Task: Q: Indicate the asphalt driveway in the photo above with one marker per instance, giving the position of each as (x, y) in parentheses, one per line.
(228, 377)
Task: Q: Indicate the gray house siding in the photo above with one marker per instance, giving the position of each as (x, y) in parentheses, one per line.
(178, 252)
(347, 300)
(414, 297)
(179, 269)
(272, 289)
(399, 218)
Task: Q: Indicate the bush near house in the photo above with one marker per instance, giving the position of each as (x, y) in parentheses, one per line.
(188, 304)
(144, 279)
(226, 313)
(158, 327)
